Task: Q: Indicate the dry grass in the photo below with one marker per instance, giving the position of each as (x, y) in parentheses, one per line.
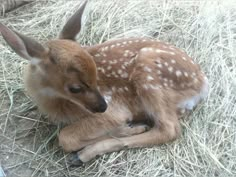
(206, 30)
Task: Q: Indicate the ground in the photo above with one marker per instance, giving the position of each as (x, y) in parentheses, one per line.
(206, 30)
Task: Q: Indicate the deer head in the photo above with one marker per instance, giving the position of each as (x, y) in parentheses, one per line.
(62, 64)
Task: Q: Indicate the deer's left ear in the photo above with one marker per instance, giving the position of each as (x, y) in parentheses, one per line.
(24, 46)
(73, 25)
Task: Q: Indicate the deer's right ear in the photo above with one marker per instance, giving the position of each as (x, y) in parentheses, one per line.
(73, 25)
(22, 45)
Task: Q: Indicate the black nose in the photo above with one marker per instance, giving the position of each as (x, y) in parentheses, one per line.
(102, 106)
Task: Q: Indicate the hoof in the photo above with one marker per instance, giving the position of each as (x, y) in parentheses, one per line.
(130, 124)
(147, 128)
(74, 160)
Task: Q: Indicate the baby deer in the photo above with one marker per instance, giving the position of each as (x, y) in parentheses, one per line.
(141, 80)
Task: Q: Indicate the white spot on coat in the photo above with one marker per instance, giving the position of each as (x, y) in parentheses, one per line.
(120, 89)
(150, 78)
(170, 69)
(159, 65)
(119, 71)
(101, 69)
(126, 55)
(193, 75)
(178, 73)
(164, 51)
(147, 69)
(158, 72)
(97, 55)
(124, 75)
(185, 74)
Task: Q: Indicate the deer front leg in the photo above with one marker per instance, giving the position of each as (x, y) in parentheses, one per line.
(97, 127)
(165, 132)
(85, 132)
(77, 143)
(166, 128)
(74, 137)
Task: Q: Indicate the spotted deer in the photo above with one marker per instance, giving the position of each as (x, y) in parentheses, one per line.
(123, 93)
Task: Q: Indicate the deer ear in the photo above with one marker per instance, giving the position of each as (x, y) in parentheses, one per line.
(73, 25)
(22, 45)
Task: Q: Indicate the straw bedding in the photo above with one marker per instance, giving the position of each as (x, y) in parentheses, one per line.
(205, 29)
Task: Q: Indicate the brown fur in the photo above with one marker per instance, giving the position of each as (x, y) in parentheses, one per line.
(142, 79)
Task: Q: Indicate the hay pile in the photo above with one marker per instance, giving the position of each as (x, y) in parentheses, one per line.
(206, 30)
(9, 5)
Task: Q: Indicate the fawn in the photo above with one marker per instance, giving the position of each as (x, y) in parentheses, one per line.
(99, 90)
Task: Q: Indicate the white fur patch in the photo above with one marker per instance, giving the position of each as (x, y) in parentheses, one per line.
(108, 98)
(147, 69)
(173, 61)
(125, 75)
(193, 101)
(35, 61)
(150, 78)
(48, 91)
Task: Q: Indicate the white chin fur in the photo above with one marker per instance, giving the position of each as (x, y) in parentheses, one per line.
(35, 61)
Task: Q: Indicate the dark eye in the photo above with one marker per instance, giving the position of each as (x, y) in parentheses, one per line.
(75, 89)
